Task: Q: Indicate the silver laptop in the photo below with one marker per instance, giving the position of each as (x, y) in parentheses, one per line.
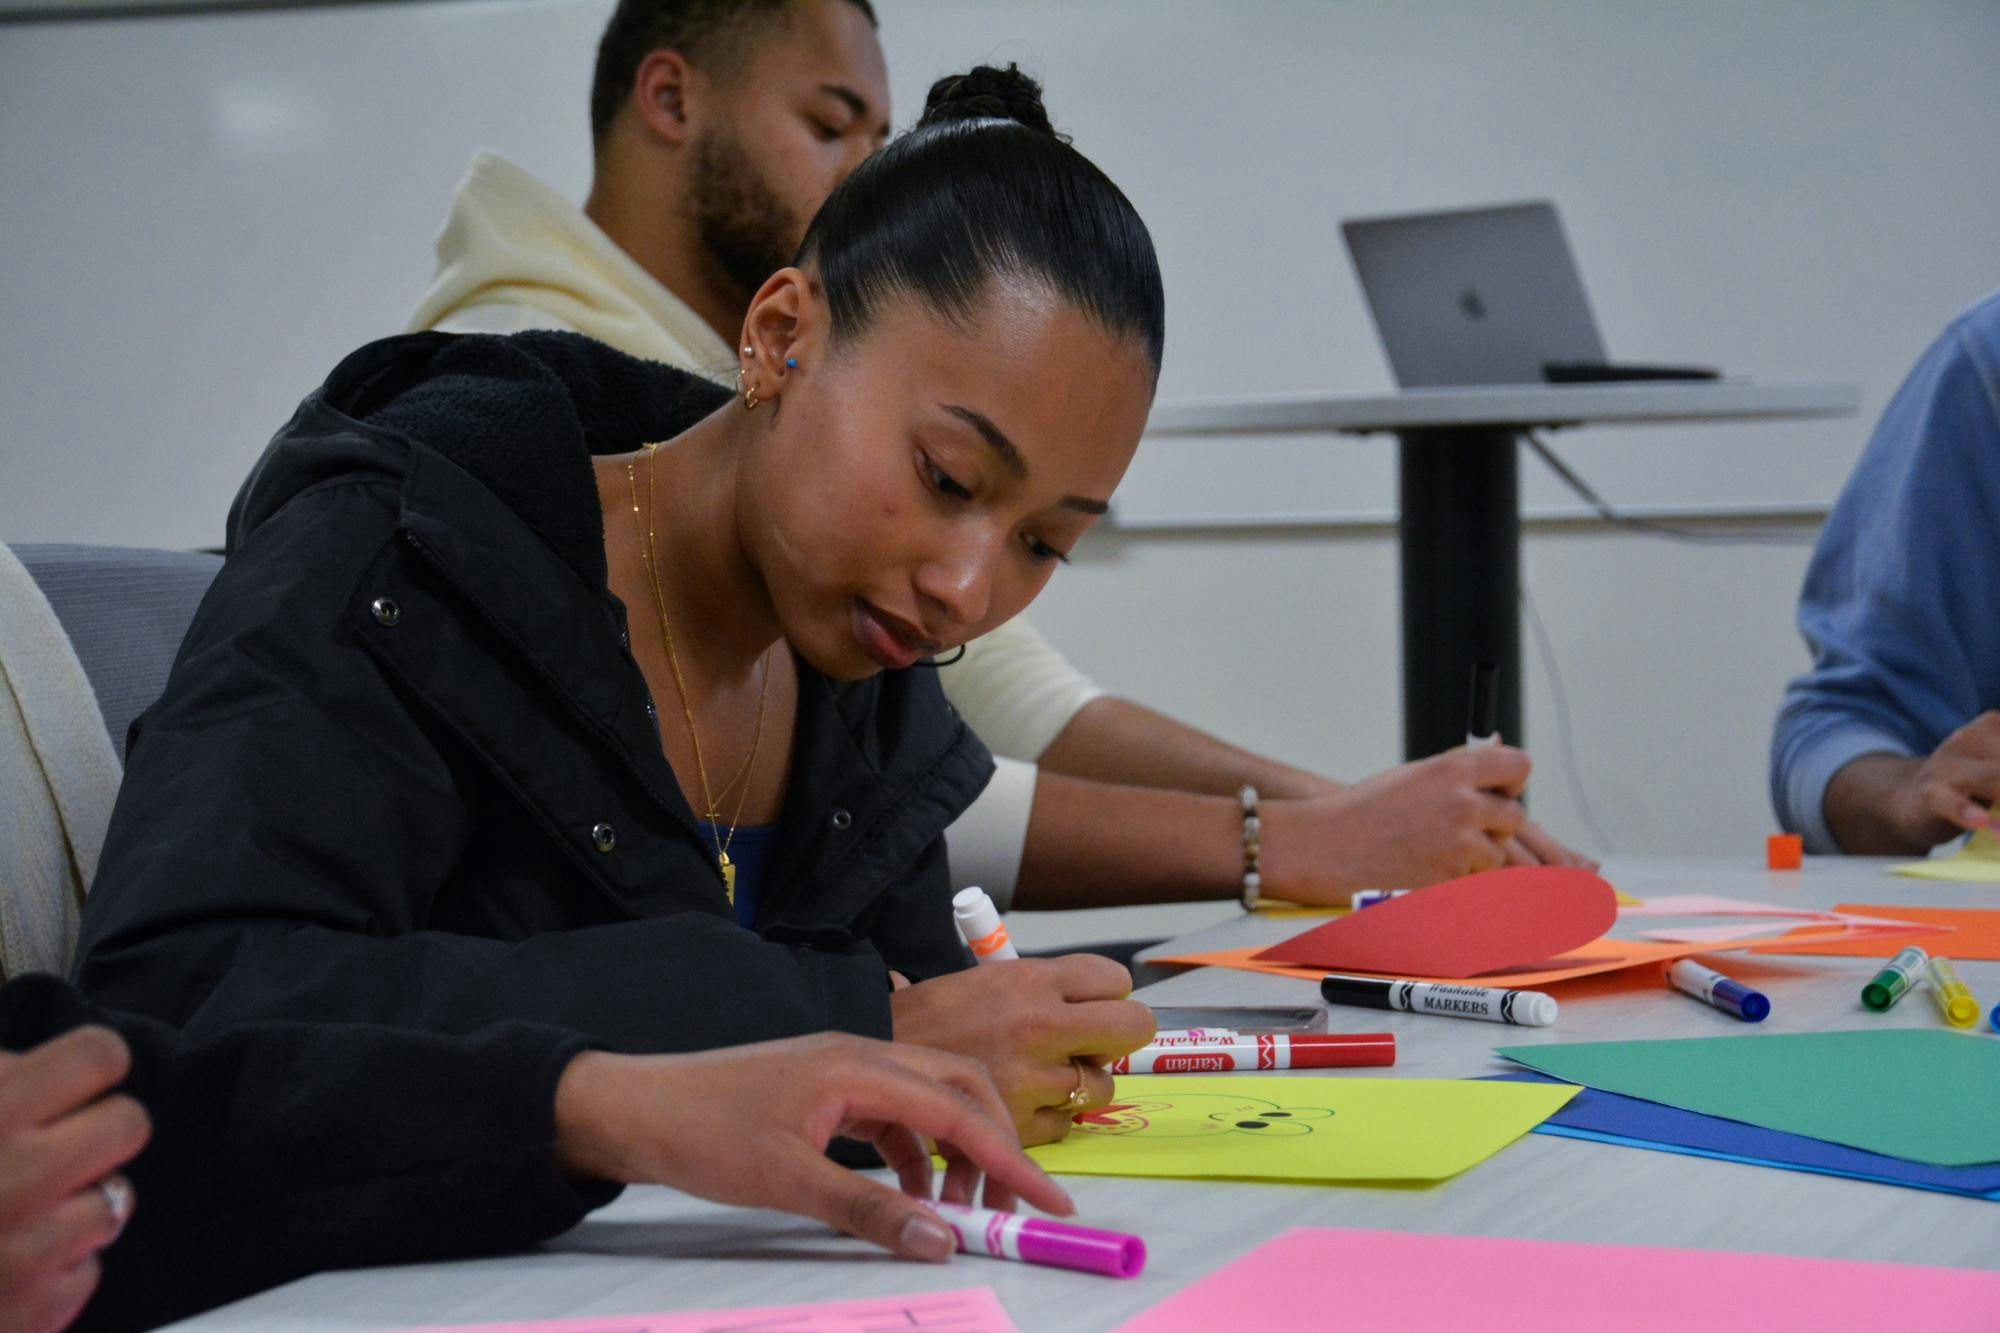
(1473, 296)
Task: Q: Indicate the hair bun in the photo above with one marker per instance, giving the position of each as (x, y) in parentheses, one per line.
(986, 93)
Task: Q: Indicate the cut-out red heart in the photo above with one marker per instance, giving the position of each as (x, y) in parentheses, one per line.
(1462, 927)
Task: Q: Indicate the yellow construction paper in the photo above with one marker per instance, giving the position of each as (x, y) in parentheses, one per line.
(1978, 862)
(1313, 1129)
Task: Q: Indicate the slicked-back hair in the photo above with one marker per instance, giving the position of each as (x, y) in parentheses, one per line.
(985, 188)
(713, 35)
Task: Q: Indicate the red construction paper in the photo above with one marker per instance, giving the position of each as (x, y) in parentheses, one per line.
(1462, 927)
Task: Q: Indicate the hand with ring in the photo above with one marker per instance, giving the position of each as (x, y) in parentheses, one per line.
(1043, 1027)
(64, 1132)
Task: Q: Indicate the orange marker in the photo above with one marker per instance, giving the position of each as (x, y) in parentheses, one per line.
(1784, 851)
(979, 922)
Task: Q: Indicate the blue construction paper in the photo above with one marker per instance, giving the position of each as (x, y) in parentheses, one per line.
(1607, 1117)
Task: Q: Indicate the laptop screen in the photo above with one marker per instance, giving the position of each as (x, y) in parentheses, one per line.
(1473, 296)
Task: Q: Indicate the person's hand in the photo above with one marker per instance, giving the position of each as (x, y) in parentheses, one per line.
(749, 1125)
(1950, 792)
(1418, 823)
(1041, 1026)
(60, 1135)
(1531, 845)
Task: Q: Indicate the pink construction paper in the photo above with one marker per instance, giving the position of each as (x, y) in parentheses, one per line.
(970, 1310)
(1324, 1278)
(1767, 919)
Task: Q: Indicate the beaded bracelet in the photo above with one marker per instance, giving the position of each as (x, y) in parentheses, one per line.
(1253, 847)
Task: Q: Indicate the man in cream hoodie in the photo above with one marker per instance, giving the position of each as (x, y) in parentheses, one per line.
(718, 130)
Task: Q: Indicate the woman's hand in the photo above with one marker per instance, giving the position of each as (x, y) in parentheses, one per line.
(60, 1135)
(1041, 1026)
(749, 1125)
(1418, 823)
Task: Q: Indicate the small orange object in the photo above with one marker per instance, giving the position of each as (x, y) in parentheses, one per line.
(1784, 851)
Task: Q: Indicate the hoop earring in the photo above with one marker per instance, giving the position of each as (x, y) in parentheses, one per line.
(933, 663)
(750, 399)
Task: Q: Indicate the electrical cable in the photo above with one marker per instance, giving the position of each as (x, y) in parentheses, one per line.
(1697, 536)
(1571, 777)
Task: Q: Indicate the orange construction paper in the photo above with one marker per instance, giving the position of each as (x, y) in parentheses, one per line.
(1604, 955)
(1964, 932)
(1475, 925)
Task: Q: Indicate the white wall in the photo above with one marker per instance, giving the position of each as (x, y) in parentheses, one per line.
(201, 214)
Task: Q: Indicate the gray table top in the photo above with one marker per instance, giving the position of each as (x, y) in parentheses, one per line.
(1505, 405)
(654, 1250)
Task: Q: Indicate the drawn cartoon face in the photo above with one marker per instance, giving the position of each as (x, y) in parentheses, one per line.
(1197, 1115)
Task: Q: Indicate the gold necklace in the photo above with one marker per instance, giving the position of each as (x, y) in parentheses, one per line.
(710, 799)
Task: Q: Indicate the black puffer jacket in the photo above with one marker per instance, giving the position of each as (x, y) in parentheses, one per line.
(404, 769)
(281, 1149)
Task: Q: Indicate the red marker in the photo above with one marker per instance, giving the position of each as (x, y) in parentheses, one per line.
(1271, 1051)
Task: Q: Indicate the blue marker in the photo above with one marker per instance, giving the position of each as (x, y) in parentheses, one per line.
(1711, 987)
(1996, 1018)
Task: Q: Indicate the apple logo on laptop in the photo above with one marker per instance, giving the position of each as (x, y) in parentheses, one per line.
(1469, 302)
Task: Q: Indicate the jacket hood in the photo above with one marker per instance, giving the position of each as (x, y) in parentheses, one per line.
(514, 243)
(522, 415)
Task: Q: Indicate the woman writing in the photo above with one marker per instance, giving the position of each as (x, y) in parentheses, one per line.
(541, 685)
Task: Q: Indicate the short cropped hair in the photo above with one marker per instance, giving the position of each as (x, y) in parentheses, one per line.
(711, 34)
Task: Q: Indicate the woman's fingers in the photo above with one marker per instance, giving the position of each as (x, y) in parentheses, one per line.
(868, 1209)
(57, 1303)
(936, 1110)
(58, 1160)
(60, 1075)
(902, 1151)
(961, 1179)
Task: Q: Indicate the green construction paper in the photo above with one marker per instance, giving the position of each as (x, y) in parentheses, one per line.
(1928, 1096)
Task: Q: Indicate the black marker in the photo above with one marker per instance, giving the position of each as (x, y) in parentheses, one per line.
(1482, 721)
(1522, 1008)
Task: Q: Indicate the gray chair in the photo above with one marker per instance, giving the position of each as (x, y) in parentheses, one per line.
(126, 611)
(87, 637)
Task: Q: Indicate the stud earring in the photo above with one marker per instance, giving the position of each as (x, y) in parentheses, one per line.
(749, 350)
(791, 363)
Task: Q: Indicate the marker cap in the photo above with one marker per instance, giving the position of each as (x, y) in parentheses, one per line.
(1534, 1009)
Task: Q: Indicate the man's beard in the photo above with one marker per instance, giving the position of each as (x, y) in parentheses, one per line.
(739, 219)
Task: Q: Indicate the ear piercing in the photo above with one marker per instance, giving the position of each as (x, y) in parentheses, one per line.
(791, 363)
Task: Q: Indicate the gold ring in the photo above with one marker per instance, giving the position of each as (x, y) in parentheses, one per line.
(1079, 1097)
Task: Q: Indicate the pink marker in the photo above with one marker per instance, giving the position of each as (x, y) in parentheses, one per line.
(1037, 1240)
(1344, 1050)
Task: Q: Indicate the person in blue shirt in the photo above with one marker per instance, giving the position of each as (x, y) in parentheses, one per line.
(1890, 744)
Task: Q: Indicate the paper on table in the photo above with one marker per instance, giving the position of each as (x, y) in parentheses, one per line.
(1605, 955)
(1606, 1117)
(1350, 1131)
(1315, 1278)
(1838, 925)
(1280, 910)
(1960, 932)
(1978, 862)
(970, 1310)
(1923, 1095)
(1474, 924)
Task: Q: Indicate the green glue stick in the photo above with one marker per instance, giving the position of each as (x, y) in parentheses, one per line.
(1897, 976)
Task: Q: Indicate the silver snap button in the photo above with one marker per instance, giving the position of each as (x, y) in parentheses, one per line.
(603, 837)
(841, 819)
(387, 614)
